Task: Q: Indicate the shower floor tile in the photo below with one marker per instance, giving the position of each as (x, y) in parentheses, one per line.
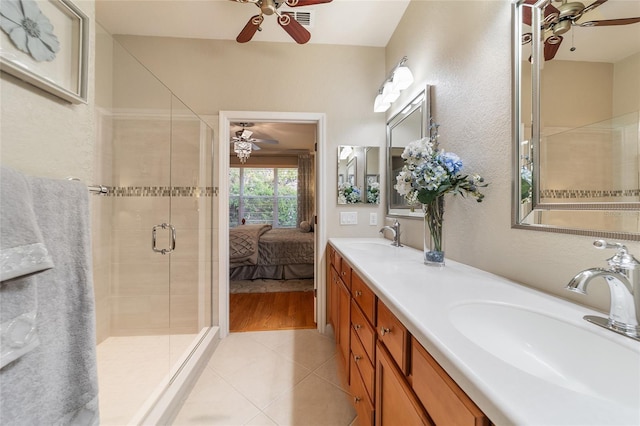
(130, 368)
(286, 377)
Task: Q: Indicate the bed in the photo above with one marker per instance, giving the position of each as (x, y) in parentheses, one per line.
(260, 251)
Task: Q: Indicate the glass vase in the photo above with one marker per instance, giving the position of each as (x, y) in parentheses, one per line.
(433, 243)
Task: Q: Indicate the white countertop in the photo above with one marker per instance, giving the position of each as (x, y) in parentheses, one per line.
(462, 314)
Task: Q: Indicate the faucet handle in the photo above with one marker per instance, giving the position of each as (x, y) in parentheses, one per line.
(622, 258)
(602, 244)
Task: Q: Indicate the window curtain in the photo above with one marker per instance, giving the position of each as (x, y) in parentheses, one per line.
(306, 188)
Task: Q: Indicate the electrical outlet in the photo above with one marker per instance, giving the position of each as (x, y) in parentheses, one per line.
(348, 218)
(373, 218)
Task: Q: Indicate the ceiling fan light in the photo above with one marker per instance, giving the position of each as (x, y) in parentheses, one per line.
(402, 78)
(389, 93)
(242, 150)
(379, 105)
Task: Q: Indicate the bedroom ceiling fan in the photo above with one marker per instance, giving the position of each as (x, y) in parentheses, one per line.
(285, 20)
(243, 143)
(559, 19)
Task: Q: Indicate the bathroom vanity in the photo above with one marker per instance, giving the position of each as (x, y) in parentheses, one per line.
(459, 346)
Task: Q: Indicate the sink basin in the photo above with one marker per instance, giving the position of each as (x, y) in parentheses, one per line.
(553, 350)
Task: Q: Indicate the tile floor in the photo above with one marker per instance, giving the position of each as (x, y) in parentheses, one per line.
(129, 370)
(286, 377)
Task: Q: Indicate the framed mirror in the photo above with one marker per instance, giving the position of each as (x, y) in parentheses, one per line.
(410, 124)
(576, 106)
(358, 175)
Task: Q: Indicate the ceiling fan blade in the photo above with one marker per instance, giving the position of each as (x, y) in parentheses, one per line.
(526, 11)
(297, 3)
(255, 147)
(609, 22)
(250, 29)
(551, 46)
(593, 6)
(269, 141)
(294, 28)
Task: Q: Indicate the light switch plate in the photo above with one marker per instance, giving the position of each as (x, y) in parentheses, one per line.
(348, 218)
(373, 218)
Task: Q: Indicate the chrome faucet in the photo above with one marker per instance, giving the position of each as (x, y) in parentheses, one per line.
(395, 230)
(623, 278)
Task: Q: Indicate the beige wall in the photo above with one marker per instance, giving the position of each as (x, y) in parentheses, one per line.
(626, 85)
(340, 81)
(469, 65)
(44, 135)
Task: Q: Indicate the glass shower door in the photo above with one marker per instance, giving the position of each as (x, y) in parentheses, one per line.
(153, 283)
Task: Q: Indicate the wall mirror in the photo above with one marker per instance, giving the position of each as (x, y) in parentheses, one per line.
(408, 125)
(358, 174)
(576, 76)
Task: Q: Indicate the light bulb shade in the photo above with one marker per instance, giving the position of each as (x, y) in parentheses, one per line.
(402, 78)
(242, 150)
(389, 93)
(379, 105)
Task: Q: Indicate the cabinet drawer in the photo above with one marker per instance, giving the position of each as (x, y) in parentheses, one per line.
(363, 363)
(394, 336)
(345, 273)
(365, 298)
(364, 407)
(335, 259)
(446, 403)
(363, 330)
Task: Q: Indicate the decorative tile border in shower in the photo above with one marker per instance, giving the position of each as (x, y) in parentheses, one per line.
(588, 193)
(162, 191)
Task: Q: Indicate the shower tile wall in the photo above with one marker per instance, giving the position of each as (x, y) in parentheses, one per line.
(101, 224)
(153, 293)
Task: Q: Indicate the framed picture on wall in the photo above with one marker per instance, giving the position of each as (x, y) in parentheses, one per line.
(51, 50)
(372, 179)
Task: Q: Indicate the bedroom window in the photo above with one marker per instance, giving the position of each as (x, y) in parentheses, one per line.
(267, 195)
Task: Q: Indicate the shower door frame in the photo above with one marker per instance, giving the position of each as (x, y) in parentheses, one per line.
(225, 120)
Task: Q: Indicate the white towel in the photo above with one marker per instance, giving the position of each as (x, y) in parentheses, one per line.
(22, 254)
(56, 383)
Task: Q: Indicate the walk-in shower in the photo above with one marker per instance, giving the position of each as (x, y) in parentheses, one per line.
(152, 232)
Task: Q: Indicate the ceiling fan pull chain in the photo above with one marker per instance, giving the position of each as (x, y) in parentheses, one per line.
(573, 45)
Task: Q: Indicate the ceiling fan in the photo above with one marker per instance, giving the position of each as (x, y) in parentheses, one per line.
(559, 19)
(244, 135)
(285, 20)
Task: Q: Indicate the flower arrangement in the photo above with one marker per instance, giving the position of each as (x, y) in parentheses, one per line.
(427, 175)
(373, 193)
(348, 193)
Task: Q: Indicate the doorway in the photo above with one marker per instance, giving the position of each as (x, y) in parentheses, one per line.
(230, 122)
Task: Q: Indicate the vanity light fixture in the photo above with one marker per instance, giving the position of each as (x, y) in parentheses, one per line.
(399, 79)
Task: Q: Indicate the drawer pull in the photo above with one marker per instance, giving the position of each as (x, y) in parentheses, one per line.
(384, 331)
(358, 293)
(356, 399)
(344, 273)
(357, 358)
(357, 326)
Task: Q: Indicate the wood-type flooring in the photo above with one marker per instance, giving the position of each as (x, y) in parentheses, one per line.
(271, 311)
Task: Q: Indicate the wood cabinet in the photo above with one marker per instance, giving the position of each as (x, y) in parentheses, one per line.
(391, 376)
(440, 395)
(340, 307)
(396, 404)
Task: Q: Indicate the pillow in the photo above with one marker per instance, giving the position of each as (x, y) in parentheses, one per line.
(305, 226)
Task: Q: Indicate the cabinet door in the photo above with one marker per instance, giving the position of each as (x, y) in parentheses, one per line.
(333, 299)
(344, 325)
(396, 404)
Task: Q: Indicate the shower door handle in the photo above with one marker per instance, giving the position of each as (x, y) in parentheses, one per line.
(172, 247)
